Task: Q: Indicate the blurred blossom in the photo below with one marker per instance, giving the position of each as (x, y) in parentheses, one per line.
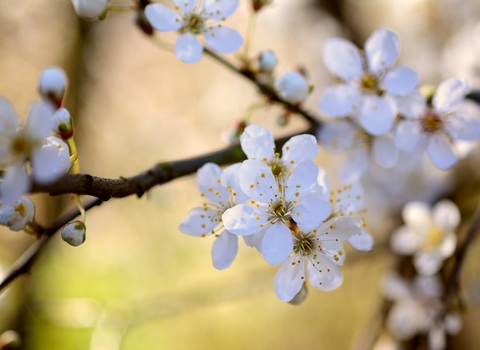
(90, 9)
(17, 215)
(267, 61)
(192, 17)
(428, 234)
(292, 87)
(52, 85)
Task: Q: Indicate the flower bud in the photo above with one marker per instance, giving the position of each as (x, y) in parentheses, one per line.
(231, 134)
(300, 297)
(63, 123)
(17, 215)
(52, 85)
(282, 120)
(292, 87)
(74, 233)
(51, 161)
(90, 9)
(267, 61)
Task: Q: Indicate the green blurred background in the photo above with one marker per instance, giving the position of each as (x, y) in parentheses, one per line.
(137, 282)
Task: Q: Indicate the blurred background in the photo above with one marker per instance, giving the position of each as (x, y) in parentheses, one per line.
(137, 282)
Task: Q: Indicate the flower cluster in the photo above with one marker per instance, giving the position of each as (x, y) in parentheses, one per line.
(193, 17)
(379, 112)
(417, 309)
(28, 151)
(280, 204)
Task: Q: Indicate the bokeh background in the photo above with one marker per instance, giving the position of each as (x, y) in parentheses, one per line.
(137, 282)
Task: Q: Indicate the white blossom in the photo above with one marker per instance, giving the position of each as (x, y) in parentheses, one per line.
(292, 87)
(90, 9)
(267, 61)
(437, 126)
(428, 234)
(222, 191)
(192, 17)
(366, 83)
(63, 123)
(258, 144)
(74, 233)
(16, 215)
(52, 85)
(316, 256)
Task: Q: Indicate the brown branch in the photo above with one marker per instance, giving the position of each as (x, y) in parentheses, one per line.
(159, 174)
(452, 283)
(26, 260)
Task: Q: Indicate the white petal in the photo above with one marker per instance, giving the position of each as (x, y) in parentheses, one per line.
(209, 183)
(310, 212)
(224, 250)
(339, 229)
(257, 143)
(334, 250)
(416, 214)
(377, 114)
(395, 287)
(200, 222)
(301, 181)
(447, 247)
(163, 18)
(39, 123)
(381, 50)
(339, 100)
(325, 275)
(363, 241)
(277, 244)
(90, 9)
(427, 264)
(385, 151)
(51, 161)
(230, 178)
(453, 323)
(185, 5)
(436, 338)
(188, 49)
(412, 105)
(15, 183)
(440, 151)
(449, 93)
(351, 199)
(407, 135)
(292, 87)
(337, 136)
(356, 164)
(243, 220)
(400, 81)
(342, 58)
(299, 148)
(405, 241)
(17, 215)
(223, 39)
(446, 215)
(289, 278)
(8, 117)
(257, 181)
(463, 128)
(219, 10)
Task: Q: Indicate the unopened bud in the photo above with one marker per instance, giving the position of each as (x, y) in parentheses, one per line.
(282, 120)
(74, 233)
(292, 87)
(51, 161)
(300, 297)
(267, 61)
(63, 123)
(52, 85)
(231, 135)
(17, 215)
(90, 9)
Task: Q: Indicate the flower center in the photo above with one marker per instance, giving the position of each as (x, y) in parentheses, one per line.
(304, 243)
(21, 209)
(20, 144)
(280, 210)
(370, 84)
(192, 22)
(431, 122)
(277, 167)
(434, 237)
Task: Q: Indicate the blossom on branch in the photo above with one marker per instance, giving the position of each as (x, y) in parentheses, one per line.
(17, 215)
(366, 83)
(292, 87)
(222, 191)
(193, 17)
(437, 126)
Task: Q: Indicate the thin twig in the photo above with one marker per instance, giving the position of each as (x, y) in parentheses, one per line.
(26, 260)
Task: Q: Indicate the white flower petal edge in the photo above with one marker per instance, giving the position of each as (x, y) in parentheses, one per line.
(223, 39)
(224, 250)
(257, 143)
(342, 58)
(381, 50)
(188, 48)
(277, 244)
(449, 93)
(162, 18)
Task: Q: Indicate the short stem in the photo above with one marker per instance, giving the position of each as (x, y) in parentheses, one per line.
(73, 150)
(249, 34)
